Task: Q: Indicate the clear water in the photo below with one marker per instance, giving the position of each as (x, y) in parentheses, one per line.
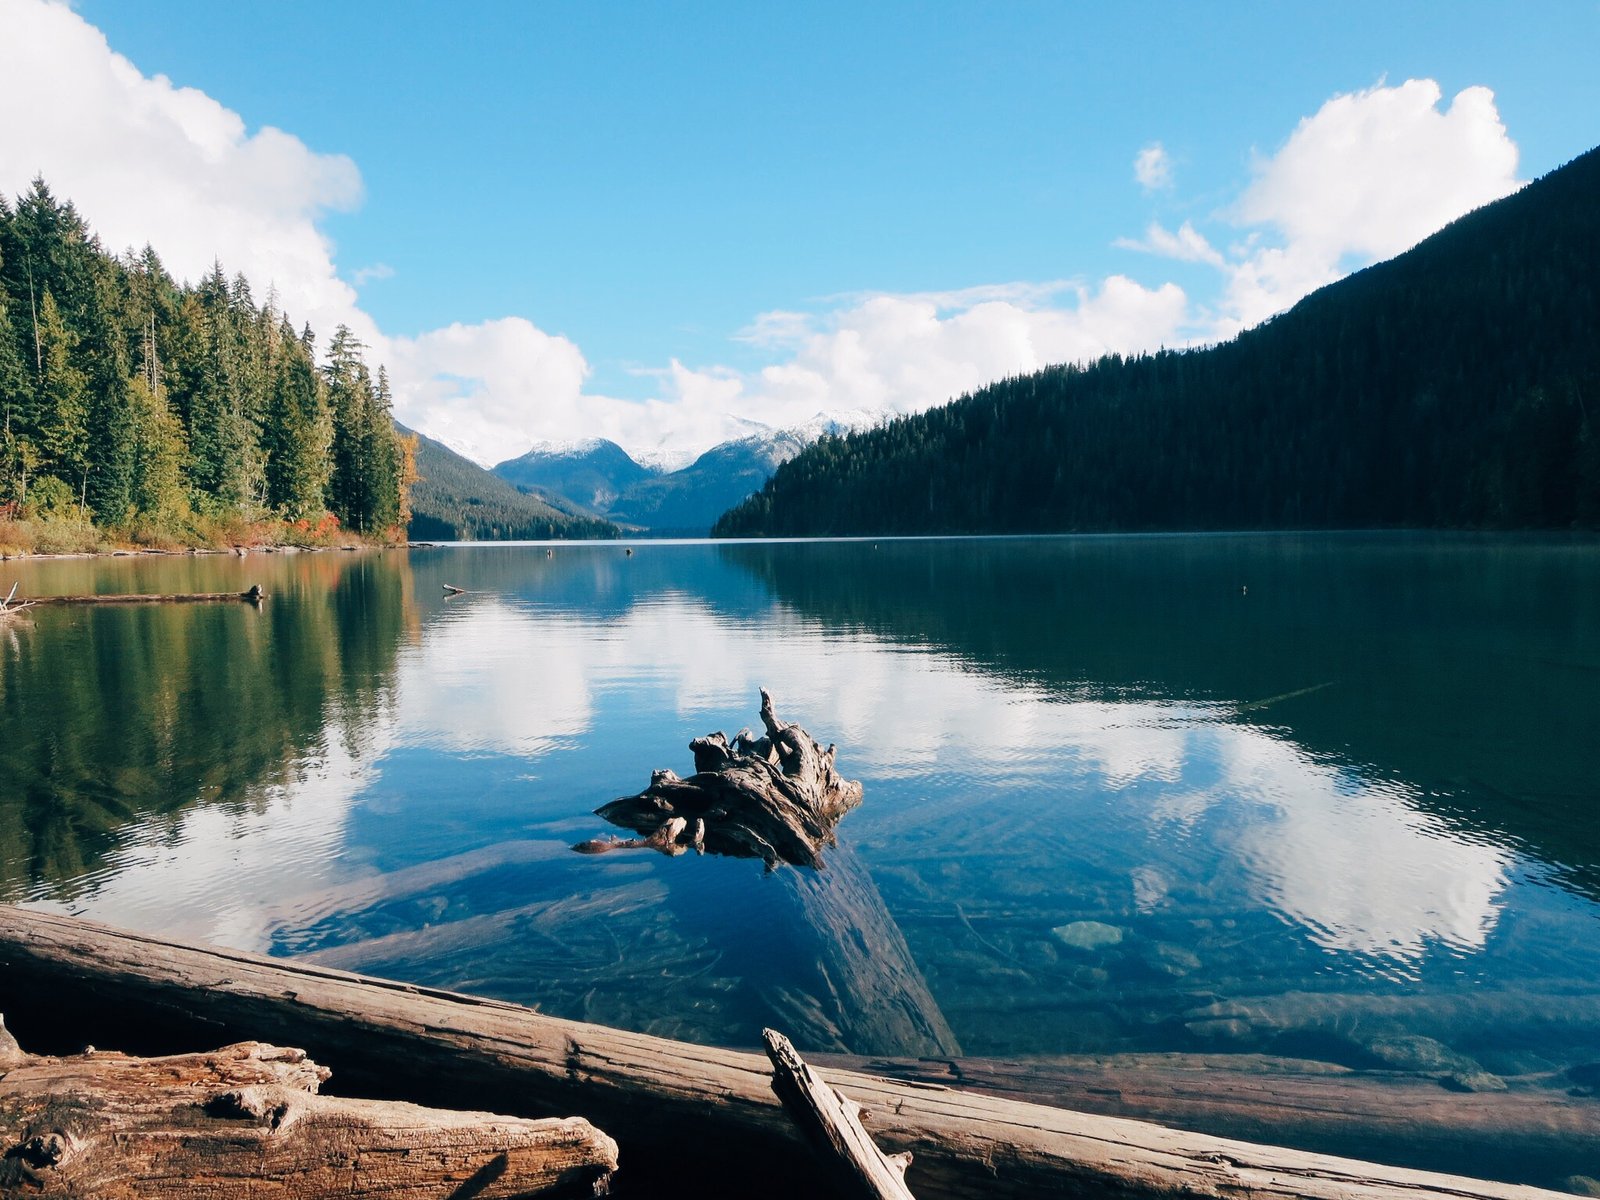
(1273, 794)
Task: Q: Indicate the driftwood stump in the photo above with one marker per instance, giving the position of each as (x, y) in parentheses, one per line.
(246, 1121)
(775, 797)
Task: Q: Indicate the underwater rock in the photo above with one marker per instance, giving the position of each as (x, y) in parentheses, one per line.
(1088, 935)
(1412, 1052)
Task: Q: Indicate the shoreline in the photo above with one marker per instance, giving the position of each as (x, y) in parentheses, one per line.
(240, 551)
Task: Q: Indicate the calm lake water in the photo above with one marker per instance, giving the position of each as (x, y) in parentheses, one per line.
(1318, 796)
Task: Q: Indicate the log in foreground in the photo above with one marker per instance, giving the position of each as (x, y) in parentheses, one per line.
(253, 596)
(656, 1097)
(832, 1125)
(246, 1121)
(776, 798)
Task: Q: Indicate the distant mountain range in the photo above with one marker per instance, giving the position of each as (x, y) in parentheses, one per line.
(1455, 386)
(600, 478)
(454, 499)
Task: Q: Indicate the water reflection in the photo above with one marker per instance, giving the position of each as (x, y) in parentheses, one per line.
(1111, 804)
(175, 734)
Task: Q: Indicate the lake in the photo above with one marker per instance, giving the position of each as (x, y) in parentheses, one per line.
(1329, 797)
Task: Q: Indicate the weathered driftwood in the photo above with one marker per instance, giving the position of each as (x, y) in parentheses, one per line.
(779, 798)
(253, 596)
(246, 1121)
(10, 606)
(831, 1124)
(776, 798)
(64, 977)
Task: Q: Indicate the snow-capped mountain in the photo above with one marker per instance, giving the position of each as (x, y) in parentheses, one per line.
(667, 491)
(590, 473)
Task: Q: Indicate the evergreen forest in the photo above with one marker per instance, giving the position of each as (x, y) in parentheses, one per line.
(146, 410)
(1456, 386)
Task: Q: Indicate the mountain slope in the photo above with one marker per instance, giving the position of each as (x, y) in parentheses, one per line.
(591, 474)
(688, 501)
(454, 499)
(1457, 385)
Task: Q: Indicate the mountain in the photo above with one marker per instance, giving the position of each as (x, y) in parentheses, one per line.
(600, 477)
(591, 474)
(454, 499)
(1457, 385)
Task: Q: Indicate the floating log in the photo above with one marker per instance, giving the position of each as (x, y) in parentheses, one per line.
(451, 589)
(246, 1121)
(254, 596)
(779, 798)
(832, 1125)
(776, 798)
(66, 978)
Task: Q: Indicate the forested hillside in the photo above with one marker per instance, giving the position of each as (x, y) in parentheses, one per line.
(1457, 385)
(161, 410)
(454, 499)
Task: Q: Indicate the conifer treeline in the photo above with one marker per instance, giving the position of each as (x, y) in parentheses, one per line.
(151, 406)
(1455, 386)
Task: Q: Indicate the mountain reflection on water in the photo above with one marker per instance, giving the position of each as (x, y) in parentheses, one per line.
(1281, 794)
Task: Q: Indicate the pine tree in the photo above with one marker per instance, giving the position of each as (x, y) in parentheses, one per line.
(63, 414)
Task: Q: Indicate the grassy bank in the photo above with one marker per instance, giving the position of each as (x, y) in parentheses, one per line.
(55, 535)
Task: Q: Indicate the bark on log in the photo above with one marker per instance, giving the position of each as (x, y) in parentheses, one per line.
(246, 1121)
(1544, 1126)
(776, 798)
(831, 1123)
(655, 1096)
(253, 596)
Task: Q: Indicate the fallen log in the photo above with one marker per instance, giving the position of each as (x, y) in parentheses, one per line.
(66, 978)
(246, 1121)
(832, 1124)
(1544, 1127)
(253, 596)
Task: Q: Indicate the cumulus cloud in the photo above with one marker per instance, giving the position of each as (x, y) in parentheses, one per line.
(1153, 168)
(1366, 177)
(147, 160)
(902, 353)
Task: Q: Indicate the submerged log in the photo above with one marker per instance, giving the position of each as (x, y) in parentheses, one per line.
(776, 798)
(253, 596)
(654, 1095)
(831, 1123)
(246, 1121)
(779, 798)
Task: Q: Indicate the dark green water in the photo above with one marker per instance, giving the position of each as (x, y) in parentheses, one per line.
(1290, 795)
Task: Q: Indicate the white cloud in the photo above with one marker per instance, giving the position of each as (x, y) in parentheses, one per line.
(1153, 168)
(1366, 177)
(148, 161)
(365, 275)
(905, 353)
(1188, 244)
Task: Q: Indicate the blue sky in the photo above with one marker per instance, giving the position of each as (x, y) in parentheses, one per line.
(641, 183)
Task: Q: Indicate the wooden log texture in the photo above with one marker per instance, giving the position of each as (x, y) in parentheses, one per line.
(253, 596)
(246, 1121)
(657, 1097)
(831, 1123)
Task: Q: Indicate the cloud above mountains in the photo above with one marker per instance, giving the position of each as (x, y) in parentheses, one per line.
(147, 160)
(1366, 177)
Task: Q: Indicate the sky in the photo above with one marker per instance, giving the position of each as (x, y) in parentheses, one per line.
(663, 222)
